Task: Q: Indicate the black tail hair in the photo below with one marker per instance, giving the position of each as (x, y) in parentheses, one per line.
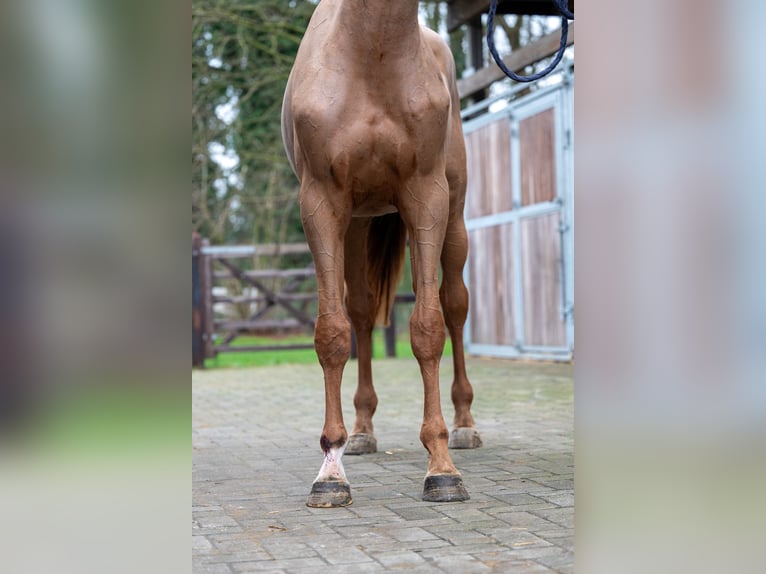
(386, 240)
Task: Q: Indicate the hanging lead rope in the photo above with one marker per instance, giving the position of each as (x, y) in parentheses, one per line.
(566, 15)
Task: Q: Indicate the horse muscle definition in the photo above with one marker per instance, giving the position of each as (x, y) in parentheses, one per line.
(371, 124)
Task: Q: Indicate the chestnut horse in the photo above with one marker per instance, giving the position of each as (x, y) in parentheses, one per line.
(371, 125)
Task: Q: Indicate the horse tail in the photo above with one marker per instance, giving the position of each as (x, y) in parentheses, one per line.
(386, 239)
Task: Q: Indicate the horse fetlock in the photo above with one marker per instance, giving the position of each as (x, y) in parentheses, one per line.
(363, 422)
(365, 402)
(442, 464)
(463, 418)
(461, 393)
(330, 440)
(432, 434)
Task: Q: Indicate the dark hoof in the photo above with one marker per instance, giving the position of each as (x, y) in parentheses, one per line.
(361, 443)
(330, 494)
(444, 488)
(464, 437)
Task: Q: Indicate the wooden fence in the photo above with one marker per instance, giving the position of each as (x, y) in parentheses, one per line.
(519, 216)
(269, 301)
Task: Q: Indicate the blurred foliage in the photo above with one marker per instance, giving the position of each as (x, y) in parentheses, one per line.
(243, 190)
(434, 15)
(113, 420)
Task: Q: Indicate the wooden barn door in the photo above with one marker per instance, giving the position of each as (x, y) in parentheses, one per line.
(518, 215)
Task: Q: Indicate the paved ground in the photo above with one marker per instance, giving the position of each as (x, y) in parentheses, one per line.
(256, 452)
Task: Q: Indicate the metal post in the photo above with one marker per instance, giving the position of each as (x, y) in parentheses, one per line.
(390, 335)
(206, 289)
(476, 52)
(198, 352)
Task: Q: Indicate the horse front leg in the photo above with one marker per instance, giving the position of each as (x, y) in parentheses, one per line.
(325, 222)
(425, 209)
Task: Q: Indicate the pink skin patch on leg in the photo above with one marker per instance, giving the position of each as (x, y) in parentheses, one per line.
(332, 467)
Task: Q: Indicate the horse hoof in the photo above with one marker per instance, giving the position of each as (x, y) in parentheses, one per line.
(444, 488)
(361, 443)
(330, 494)
(464, 437)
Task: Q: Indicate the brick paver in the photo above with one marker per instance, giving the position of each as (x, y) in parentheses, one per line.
(256, 452)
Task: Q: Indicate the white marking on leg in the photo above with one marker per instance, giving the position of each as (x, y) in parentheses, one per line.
(332, 467)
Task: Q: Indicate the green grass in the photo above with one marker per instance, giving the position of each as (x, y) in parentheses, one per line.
(302, 356)
(114, 419)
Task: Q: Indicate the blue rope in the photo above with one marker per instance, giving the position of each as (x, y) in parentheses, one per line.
(562, 8)
(566, 15)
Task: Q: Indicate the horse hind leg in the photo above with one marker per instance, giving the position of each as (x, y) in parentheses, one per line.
(454, 299)
(360, 305)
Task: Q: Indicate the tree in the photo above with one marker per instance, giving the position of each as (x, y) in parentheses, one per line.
(243, 189)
